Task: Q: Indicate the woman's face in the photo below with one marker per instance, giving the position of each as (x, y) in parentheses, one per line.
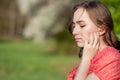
(83, 27)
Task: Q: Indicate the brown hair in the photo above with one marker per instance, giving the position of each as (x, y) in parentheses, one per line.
(101, 16)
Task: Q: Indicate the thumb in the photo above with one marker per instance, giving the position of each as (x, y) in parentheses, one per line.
(86, 43)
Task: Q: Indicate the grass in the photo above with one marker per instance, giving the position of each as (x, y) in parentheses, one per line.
(25, 60)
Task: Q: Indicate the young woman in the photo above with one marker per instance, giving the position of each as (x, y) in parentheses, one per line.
(92, 29)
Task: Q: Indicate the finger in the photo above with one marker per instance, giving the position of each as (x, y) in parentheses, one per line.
(91, 41)
(96, 40)
(98, 45)
(85, 43)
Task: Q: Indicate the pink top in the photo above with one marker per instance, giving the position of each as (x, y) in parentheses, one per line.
(106, 65)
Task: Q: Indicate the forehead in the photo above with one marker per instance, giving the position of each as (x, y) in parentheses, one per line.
(80, 15)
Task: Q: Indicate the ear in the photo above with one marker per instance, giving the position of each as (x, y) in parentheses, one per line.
(101, 30)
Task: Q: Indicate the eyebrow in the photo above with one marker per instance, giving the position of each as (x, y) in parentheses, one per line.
(79, 21)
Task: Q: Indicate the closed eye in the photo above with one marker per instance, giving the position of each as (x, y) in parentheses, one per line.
(82, 26)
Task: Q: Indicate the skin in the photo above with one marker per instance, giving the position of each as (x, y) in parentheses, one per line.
(88, 36)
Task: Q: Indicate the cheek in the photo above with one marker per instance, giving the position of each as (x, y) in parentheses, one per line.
(88, 31)
(87, 35)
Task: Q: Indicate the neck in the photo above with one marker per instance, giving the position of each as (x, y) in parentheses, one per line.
(102, 44)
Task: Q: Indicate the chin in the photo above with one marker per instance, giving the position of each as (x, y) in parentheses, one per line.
(80, 45)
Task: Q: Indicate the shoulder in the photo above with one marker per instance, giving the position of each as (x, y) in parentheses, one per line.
(107, 54)
(106, 62)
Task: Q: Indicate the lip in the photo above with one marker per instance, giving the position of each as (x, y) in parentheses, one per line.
(78, 39)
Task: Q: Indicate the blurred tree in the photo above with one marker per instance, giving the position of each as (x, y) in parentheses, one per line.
(47, 19)
(114, 8)
(11, 20)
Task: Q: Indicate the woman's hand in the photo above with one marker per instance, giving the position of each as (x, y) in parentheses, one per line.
(91, 47)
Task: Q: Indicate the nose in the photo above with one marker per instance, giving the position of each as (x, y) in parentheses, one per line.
(76, 30)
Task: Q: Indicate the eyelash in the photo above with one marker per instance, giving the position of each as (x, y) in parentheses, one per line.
(82, 26)
(73, 26)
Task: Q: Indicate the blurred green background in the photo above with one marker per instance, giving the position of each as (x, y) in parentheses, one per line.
(35, 43)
